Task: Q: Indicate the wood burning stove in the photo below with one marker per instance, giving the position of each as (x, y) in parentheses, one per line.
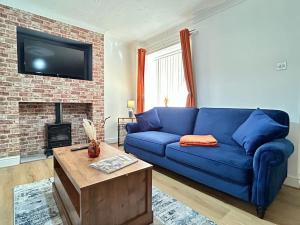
(59, 133)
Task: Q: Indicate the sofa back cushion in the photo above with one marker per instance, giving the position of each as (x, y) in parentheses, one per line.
(177, 120)
(223, 122)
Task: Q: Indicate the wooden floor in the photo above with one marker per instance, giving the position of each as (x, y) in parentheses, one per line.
(222, 208)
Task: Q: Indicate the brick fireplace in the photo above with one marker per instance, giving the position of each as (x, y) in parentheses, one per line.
(34, 116)
(27, 101)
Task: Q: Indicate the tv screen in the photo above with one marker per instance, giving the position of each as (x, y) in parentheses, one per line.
(53, 59)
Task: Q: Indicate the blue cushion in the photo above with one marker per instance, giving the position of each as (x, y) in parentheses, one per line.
(258, 129)
(226, 161)
(132, 127)
(148, 120)
(152, 141)
(177, 120)
(223, 122)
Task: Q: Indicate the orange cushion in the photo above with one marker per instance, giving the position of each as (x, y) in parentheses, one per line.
(198, 140)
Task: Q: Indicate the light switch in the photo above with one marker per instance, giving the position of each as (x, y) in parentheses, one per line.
(281, 66)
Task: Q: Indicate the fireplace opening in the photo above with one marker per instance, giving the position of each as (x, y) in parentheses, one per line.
(58, 134)
(40, 121)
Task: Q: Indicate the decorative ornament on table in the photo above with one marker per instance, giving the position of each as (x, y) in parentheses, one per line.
(90, 130)
(94, 146)
(166, 101)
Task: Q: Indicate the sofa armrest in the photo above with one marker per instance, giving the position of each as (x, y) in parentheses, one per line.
(132, 128)
(270, 170)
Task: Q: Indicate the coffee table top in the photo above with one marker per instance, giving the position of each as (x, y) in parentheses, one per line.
(76, 165)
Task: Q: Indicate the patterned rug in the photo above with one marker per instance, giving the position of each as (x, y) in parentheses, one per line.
(34, 205)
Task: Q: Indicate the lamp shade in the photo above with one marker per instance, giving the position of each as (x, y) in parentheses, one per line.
(130, 104)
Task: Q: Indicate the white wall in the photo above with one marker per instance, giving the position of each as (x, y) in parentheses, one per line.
(235, 53)
(119, 82)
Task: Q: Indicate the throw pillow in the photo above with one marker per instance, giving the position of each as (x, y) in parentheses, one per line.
(258, 129)
(148, 120)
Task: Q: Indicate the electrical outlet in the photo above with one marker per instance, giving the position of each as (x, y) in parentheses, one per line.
(281, 66)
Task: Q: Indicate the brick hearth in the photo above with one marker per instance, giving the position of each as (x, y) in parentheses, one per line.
(17, 91)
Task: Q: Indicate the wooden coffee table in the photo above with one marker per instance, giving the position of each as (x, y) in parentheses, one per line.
(86, 196)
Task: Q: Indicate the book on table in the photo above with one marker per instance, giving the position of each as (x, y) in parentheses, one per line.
(114, 163)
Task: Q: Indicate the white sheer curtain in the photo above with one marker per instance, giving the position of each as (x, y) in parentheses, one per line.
(164, 78)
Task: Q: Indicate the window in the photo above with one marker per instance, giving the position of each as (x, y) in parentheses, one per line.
(164, 78)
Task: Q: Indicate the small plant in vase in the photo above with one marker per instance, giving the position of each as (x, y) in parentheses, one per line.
(90, 130)
(94, 146)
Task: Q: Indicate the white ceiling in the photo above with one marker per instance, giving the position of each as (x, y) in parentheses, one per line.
(126, 19)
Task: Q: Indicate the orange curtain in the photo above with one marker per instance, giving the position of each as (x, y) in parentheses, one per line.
(140, 80)
(188, 67)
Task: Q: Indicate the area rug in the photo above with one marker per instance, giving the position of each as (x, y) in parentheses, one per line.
(34, 205)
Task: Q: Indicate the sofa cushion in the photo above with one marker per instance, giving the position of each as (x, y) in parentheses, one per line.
(151, 141)
(223, 122)
(148, 120)
(258, 129)
(177, 120)
(226, 161)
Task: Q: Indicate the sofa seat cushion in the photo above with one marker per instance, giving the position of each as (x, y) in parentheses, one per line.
(152, 141)
(225, 161)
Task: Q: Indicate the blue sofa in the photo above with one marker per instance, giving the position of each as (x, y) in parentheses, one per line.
(256, 179)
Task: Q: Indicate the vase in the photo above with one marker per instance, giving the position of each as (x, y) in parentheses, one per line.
(93, 149)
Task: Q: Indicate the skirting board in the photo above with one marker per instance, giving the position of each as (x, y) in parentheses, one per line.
(111, 140)
(9, 161)
(292, 182)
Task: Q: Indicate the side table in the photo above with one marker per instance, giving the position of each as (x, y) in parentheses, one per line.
(122, 121)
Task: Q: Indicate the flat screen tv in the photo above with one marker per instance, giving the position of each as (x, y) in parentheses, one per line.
(53, 56)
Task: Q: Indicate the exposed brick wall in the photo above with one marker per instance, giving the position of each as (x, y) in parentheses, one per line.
(75, 113)
(16, 88)
(33, 117)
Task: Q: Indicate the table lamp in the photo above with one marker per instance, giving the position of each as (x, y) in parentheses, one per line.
(130, 106)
